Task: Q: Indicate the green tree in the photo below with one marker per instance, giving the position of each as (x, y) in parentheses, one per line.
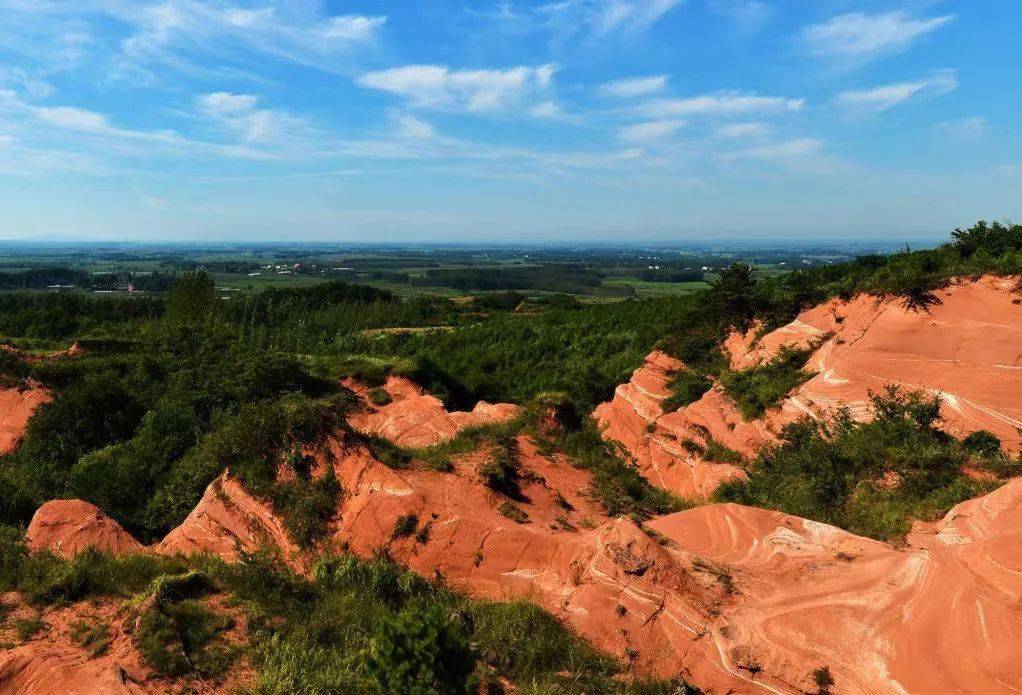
(421, 652)
(192, 297)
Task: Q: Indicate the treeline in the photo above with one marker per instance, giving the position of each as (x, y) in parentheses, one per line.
(43, 278)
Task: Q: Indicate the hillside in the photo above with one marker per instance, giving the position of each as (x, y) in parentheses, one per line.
(808, 478)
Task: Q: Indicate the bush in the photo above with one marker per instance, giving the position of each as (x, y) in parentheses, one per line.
(871, 478)
(421, 652)
(380, 396)
(758, 389)
(178, 638)
(501, 471)
(92, 636)
(686, 387)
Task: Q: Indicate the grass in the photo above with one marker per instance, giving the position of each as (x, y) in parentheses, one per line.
(27, 628)
(91, 635)
(513, 512)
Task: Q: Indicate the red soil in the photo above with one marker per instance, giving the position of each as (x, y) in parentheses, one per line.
(416, 419)
(68, 527)
(728, 589)
(16, 407)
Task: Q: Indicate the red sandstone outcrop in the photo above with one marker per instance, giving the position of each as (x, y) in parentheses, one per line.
(414, 418)
(734, 598)
(69, 527)
(228, 522)
(51, 661)
(967, 350)
(657, 441)
(16, 407)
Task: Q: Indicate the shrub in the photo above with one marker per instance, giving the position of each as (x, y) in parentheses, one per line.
(982, 442)
(405, 526)
(823, 679)
(501, 472)
(181, 637)
(715, 451)
(686, 387)
(513, 512)
(758, 389)
(26, 628)
(92, 636)
(832, 471)
(421, 652)
(379, 396)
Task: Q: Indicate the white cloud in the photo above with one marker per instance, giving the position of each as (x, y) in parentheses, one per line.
(409, 127)
(547, 109)
(884, 97)
(748, 15)
(737, 131)
(634, 87)
(964, 128)
(85, 121)
(602, 18)
(722, 104)
(779, 151)
(857, 37)
(226, 104)
(650, 131)
(73, 118)
(178, 32)
(436, 86)
(352, 27)
(239, 113)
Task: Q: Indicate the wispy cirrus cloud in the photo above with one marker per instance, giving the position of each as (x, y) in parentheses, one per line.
(738, 131)
(603, 18)
(881, 98)
(746, 15)
(633, 87)
(856, 38)
(474, 91)
(778, 152)
(721, 104)
(140, 41)
(649, 131)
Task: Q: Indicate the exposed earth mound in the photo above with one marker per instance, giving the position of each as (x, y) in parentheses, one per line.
(657, 441)
(16, 407)
(69, 527)
(55, 660)
(966, 348)
(413, 418)
(731, 597)
(945, 617)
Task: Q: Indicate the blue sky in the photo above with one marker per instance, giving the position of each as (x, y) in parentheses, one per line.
(475, 120)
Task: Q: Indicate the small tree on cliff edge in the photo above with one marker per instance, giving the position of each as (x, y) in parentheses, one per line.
(421, 652)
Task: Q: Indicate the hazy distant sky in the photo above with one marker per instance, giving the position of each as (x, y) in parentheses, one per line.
(448, 120)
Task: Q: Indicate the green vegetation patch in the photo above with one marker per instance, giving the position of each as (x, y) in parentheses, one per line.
(758, 389)
(872, 479)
